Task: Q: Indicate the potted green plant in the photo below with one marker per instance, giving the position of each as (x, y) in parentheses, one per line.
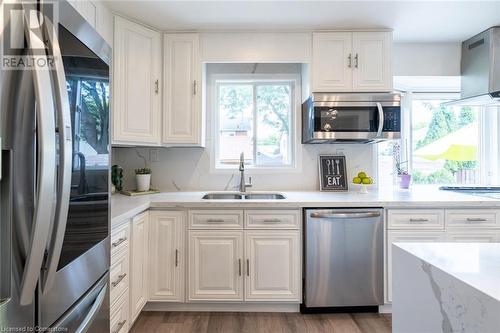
(143, 179)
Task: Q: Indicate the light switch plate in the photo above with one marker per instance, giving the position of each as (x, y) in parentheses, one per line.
(154, 155)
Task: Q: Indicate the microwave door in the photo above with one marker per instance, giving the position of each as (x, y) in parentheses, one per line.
(346, 122)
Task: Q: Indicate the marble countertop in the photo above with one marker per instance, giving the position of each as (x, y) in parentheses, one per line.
(123, 207)
(476, 264)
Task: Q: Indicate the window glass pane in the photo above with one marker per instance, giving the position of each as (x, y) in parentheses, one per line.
(235, 123)
(273, 124)
(445, 143)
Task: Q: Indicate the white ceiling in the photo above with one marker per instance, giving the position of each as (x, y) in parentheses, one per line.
(412, 21)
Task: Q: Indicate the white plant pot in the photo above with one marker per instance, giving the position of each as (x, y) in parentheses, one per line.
(143, 182)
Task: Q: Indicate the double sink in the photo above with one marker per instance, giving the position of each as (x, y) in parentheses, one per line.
(243, 196)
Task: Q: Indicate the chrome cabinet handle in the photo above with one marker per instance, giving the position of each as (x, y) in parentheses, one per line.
(120, 325)
(474, 219)
(176, 257)
(346, 215)
(349, 58)
(356, 61)
(157, 86)
(419, 220)
(194, 87)
(272, 220)
(215, 221)
(248, 267)
(120, 278)
(119, 241)
(239, 267)
(46, 174)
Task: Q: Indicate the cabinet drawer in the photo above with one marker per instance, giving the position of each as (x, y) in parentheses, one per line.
(118, 277)
(119, 315)
(416, 219)
(272, 219)
(216, 219)
(472, 236)
(472, 218)
(119, 240)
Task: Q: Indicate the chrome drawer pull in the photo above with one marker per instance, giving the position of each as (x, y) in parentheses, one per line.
(119, 241)
(248, 267)
(215, 221)
(419, 220)
(479, 219)
(120, 325)
(272, 220)
(176, 257)
(120, 278)
(239, 267)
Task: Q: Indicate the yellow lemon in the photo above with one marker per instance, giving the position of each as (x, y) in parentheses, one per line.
(356, 180)
(366, 181)
(362, 175)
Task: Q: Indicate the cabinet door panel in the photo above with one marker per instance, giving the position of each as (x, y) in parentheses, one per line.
(273, 268)
(138, 265)
(489, 236)
(408, 237)
(167, 256)
(136, 98)
(372, 70)
(182, 121)
(215, 258)
(330, 63)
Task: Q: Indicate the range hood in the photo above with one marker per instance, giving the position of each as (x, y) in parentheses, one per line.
(480, 70)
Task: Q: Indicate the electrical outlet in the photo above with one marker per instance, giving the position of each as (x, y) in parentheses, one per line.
(154, 155)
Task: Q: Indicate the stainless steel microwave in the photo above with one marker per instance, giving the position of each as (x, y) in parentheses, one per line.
(351, 117)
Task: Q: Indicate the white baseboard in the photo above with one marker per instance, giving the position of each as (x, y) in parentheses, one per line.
(386, 308)
(223, 307)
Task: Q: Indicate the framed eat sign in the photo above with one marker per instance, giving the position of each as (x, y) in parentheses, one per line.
(332, 173)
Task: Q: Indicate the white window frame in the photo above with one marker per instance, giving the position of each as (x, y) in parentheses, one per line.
(488, 120)
(213, 139)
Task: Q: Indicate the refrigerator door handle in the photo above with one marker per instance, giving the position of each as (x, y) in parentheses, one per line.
(65, 157)
(46, 162)
(93, 312)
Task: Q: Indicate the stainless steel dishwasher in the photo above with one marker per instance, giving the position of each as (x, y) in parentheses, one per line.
(343, 258)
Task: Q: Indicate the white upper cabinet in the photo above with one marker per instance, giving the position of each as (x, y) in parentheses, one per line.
(372, 61)
(352, 62)
(182, 114)
(136, 84)
(167, 256)
(332, 61)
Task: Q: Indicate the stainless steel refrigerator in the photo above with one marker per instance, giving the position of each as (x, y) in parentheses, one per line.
(55, 156)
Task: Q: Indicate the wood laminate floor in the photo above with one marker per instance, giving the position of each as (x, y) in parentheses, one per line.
(251, 322)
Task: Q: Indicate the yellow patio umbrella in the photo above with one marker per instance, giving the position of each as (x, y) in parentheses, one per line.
(460, 145)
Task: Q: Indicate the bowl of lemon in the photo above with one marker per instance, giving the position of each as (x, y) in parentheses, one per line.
(363, 181)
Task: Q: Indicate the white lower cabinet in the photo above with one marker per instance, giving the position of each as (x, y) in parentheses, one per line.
(272, 265)
(138, 265)
(167, 256)
(215, 265)
(119, 316)
(246, 265)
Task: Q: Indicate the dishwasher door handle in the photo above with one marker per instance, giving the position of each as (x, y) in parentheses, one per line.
(344, 215)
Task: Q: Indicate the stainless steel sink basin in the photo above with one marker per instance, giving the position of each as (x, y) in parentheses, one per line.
(243, 196)
(264, 196)
(222, 196)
